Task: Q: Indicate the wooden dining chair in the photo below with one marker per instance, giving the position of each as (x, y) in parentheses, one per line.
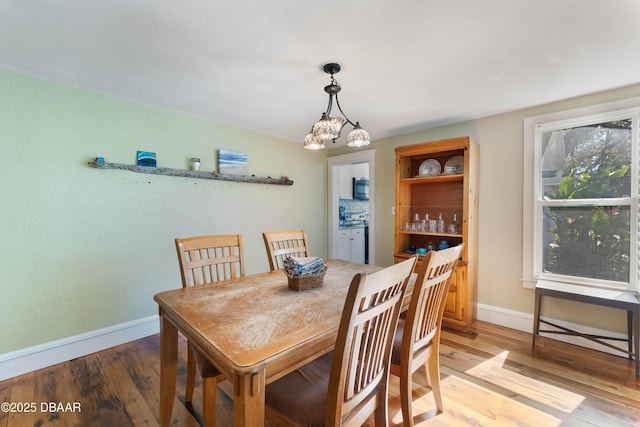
(417, 338)
(281, 244)
(205, 260)
(346, 386)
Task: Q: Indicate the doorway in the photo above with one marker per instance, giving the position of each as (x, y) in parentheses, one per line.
(337, 198)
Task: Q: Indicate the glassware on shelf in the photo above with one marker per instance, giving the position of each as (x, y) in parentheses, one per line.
(423, 223)
(454, 227)
(440, 223)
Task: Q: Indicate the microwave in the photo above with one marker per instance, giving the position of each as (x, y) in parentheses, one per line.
(360, 189)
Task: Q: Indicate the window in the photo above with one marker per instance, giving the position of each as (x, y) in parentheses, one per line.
(581, 192)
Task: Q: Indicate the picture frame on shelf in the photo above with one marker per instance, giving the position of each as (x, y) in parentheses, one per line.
(232, 162)
(146, 158)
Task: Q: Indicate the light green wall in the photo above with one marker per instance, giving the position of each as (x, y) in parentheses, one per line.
(83, 248)
(500, 227)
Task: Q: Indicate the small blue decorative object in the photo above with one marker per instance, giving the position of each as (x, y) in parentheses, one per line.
(146, 158)
(443, 244)
(99, 159)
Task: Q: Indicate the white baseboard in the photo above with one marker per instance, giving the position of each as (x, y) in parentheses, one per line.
(44, 355)
(503, 317)
(524, 322)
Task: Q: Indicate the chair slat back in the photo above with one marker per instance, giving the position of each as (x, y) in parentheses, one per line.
(281, 244)
(360, 369)
(210, 259)
(429, 297)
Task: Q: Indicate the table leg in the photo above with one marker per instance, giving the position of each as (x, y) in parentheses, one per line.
(636, 341)
(630, 333)
(536, 318)
(248, 401)
(168, 368)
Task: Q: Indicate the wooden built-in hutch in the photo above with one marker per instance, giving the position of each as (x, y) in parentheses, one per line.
(446, 193)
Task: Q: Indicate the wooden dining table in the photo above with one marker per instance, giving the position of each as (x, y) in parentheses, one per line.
(254, 330)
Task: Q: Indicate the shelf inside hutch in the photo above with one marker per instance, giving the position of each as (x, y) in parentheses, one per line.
(410, 167)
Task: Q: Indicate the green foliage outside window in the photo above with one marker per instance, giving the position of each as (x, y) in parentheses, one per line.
(584, 240)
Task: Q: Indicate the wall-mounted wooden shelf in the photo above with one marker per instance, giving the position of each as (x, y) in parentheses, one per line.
(191, 174)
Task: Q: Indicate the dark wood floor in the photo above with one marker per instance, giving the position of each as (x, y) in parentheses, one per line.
(490, 377)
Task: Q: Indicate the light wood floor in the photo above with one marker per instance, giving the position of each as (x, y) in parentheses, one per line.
(490, 377)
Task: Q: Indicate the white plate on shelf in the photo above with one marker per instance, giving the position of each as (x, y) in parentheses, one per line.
(456, 162)
(430, 167)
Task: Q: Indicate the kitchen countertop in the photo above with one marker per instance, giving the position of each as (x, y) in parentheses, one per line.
(349, 227)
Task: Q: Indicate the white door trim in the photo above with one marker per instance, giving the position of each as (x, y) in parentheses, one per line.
(333, 194)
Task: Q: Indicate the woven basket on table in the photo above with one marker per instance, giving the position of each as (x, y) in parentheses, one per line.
(307, 281)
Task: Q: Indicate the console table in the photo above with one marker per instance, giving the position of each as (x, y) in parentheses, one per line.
(623, 300)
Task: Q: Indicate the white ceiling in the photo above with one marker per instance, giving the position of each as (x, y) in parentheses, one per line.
(407, 65)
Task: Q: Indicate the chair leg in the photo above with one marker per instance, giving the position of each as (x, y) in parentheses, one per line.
(406, 396)
(381, 413)
(433, 375)
(191, 375)
(209, 401)
(380, 416)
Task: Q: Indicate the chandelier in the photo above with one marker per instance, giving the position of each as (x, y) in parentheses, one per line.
(329, 128)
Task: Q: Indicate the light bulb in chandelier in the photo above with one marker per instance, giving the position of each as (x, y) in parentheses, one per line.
(328, 127)
(358, 137)
(313, 143)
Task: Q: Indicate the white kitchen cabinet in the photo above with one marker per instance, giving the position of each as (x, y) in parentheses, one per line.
(351, 244)
(360, 170)
(346, 173)
(345, 181)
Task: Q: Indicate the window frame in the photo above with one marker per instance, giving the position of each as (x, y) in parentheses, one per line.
(532, 201)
